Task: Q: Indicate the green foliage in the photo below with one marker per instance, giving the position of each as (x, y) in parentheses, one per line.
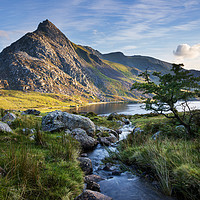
(43, 168)
(28, 121)
(174, 87)
(172, 158)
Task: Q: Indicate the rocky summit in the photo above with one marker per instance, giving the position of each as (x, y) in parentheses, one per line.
(47, 61)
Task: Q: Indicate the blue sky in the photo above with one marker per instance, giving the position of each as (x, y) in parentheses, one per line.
(165, 29)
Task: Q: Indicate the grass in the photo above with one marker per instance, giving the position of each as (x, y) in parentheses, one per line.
(172, 159)
(43, 168)
(19, 100)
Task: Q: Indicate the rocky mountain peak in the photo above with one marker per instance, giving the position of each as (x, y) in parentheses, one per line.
(46, 25)
(48, 29)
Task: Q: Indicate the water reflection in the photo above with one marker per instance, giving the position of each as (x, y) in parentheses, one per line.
(123, 108)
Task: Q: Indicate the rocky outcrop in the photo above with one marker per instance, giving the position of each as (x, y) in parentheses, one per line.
(86, 165)
(58, 120)
(5, 128)
(87, 142)
(31, 112)
(9, 117)
(92, 195)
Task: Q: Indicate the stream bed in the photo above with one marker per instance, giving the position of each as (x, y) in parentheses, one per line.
(125, 186)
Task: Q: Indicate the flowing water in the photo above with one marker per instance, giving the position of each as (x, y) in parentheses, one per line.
(125, 186)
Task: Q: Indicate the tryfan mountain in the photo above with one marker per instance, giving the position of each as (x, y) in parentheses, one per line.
(47, 61)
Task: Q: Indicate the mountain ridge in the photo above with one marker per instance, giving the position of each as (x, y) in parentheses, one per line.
(45, 60)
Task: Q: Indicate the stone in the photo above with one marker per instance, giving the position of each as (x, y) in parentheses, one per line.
(86, 165)
(31, 112)
(116, 173)
(86, 141)
(5, 128)
(119, 122)
(93, 177)
(112, 138)
(102, 129)
(9, 117)
(108, 167)
(119, 131)
(84, 155)
(113, 116)
(91, 185)
(126, 121)
(58, 120)
(115, 133)
(92, 195)
(27, 131)
(104, 141)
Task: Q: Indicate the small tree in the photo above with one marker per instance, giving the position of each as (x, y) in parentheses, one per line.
(174, 89)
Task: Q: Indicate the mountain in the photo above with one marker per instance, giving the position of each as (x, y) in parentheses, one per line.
(47, 61)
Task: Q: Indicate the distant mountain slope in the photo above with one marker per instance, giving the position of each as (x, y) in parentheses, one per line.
(47, 61)
(139, 62)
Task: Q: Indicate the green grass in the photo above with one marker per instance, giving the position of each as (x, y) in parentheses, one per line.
(44, 168)
(19, 100)
(172, 159)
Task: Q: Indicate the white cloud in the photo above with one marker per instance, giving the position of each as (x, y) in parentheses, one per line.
(187, 51)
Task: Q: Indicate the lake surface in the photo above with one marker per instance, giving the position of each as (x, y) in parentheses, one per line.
(123, 108)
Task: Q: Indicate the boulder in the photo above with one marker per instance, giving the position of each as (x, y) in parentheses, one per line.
(104, 141)
(58, 120)
(91, 185)
(113, 116)
(107, 140)
(102, 129)
(9, 117)
(5, 128)
(92, 195)
(86, 141)
(86, 165)
(115, 133)
(31, 112)
(93, 177)
(126, 121)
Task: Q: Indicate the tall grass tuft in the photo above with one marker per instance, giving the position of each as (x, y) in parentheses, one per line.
(23, 169)
(172, 159)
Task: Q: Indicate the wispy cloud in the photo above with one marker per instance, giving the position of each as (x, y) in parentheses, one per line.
(108, 25)
(4, 34)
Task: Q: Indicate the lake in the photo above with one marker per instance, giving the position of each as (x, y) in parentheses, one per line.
(123, 108)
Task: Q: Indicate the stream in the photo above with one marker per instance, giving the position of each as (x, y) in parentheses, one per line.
(125, 186)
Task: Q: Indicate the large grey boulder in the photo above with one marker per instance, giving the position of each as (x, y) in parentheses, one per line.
(5, 128)
(9, 117)
(58, 120)
(92, 195)
(87, 142)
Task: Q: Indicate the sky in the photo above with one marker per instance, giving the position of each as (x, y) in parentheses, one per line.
(168, 30)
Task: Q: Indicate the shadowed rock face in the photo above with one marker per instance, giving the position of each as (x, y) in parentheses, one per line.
(46, 61)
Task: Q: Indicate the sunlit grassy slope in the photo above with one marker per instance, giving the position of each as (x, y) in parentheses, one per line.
(14, 99)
